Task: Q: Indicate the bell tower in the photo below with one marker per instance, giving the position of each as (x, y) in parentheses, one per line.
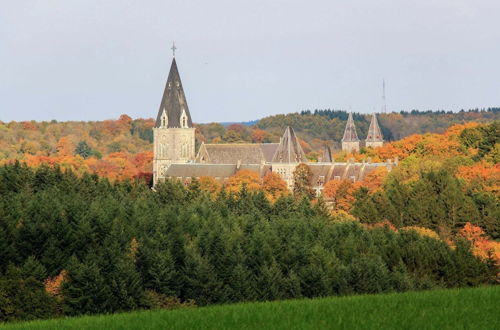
(173, 133)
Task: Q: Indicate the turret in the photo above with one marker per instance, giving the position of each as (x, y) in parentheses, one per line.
(374, 138)
(350, 141)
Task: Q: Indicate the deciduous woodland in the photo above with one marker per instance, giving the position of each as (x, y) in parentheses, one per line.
(80, 240)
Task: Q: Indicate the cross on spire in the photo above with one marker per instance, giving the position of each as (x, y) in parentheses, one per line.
(173, 49)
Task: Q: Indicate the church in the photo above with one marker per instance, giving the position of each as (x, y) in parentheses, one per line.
(175, 157)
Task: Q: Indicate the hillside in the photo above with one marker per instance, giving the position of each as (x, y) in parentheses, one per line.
(120, 149)
(443, 309)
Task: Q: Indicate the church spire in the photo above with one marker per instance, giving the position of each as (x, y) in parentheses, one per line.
(289, 149)
(350, 141)
(374, 137)
(350, 134)
(374, 133)
(174, 111)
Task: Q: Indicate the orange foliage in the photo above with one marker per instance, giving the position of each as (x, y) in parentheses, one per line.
(258, 135)
(482, 176)
(385, 223)
(482, 246)
(65, 147)
(53, 285)
(374, 180)
(210, 185)
(274, 186)
(430, 145)
(247, 178)
(340, 192)
(27, 125)
(125, 120)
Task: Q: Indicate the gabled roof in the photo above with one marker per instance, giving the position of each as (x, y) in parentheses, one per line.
(232, 153)
(350, 134)
(374, 132)
(173, 101)
(289, 149)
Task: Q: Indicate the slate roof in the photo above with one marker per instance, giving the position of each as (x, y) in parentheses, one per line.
(245, 153)
(220, 171)
(374, 133)
(327, 155)
(350, 134)
(342, 170)
(289, 150)
(173, 100)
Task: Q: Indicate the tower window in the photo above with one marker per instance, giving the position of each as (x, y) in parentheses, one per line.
(164, 119)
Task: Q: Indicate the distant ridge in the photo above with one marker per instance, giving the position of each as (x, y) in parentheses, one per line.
(245, 123)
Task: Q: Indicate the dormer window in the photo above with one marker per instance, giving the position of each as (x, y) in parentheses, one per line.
(183, 119)
(164, 119)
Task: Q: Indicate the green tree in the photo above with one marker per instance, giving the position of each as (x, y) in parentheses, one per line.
(83, 149)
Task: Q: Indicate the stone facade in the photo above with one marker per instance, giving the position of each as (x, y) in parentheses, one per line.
(350, 146)
(171, 145)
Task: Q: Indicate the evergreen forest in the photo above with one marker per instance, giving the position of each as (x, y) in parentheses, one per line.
(75, 245)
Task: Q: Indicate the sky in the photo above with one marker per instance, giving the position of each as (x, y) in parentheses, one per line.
(243, 60)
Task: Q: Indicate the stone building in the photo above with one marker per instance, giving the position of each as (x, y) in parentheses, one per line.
(175, 157)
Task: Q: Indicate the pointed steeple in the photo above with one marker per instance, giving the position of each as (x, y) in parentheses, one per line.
(327, 155)
(350, 134)
(174, 111)
(374, 133)
(289, 149)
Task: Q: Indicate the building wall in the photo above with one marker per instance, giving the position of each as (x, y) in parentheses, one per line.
(171, 145)
(374, 144)
(350, 146)
(285, 171)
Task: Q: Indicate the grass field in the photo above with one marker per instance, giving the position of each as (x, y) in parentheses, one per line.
(477, 308)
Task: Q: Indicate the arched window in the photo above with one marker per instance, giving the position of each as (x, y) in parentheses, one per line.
(164, 119)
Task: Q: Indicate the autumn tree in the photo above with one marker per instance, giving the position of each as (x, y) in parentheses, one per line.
(340, 192)
(274, 186)
(64, 147)
(209, 185)
(259, 135)
(302, 186)
(250, 179)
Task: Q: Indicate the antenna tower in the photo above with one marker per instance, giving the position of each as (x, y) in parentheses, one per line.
(384, 103)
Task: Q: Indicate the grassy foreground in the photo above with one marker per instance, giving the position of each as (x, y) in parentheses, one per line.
(477, 308)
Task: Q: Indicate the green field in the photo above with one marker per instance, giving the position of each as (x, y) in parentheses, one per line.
(444, 309)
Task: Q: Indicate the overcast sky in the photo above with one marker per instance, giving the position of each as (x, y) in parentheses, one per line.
(243, 60)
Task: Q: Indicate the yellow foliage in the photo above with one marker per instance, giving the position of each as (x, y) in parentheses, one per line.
(422, 231)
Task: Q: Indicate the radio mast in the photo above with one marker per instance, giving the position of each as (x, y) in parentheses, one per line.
(384, 103)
